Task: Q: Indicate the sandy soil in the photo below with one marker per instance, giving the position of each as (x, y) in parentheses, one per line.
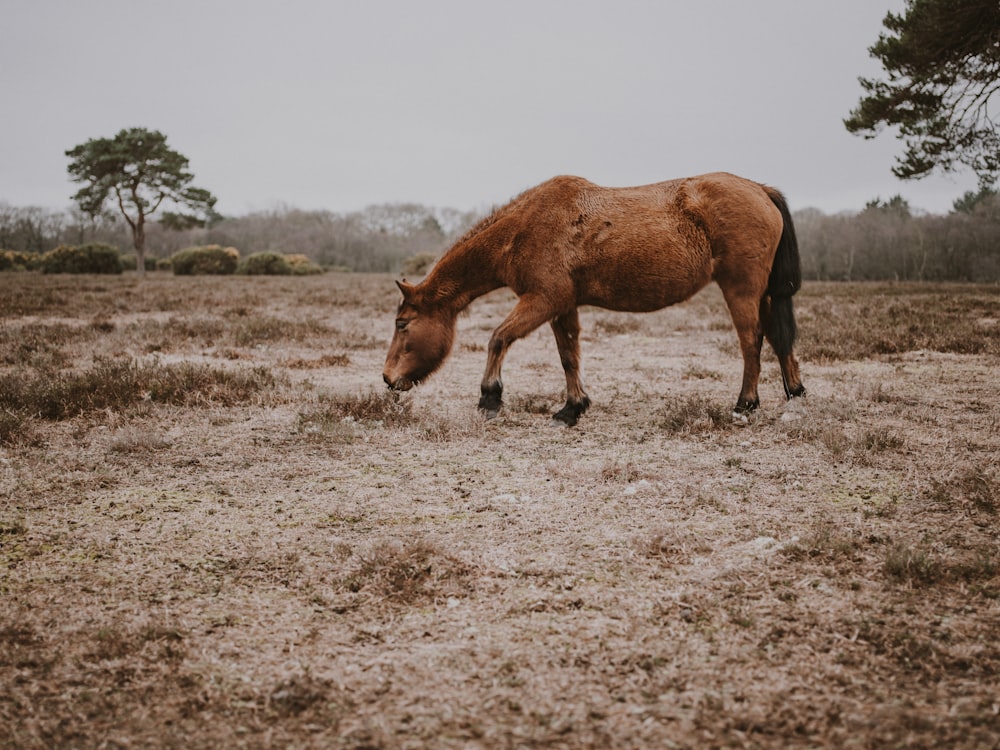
(285, 572)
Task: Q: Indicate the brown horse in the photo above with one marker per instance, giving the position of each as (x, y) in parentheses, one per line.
(569, 242)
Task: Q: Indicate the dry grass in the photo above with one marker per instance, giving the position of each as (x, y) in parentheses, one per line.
(120, 384)
(217, 528)
(857, 321)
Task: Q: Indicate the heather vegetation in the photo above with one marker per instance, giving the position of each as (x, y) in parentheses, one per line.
(213, 260)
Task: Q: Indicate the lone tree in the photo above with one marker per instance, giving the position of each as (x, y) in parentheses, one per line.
(942, 58)
(139, 172)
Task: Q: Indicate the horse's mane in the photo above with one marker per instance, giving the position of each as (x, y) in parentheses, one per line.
(497, 213)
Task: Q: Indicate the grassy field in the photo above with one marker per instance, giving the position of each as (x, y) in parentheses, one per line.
(217, 529)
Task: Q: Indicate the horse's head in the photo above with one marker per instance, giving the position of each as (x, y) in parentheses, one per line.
(423, 338)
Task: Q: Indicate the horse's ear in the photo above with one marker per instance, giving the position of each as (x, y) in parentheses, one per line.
(406, 289)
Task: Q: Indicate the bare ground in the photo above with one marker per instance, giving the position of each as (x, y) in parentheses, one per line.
(321, 566)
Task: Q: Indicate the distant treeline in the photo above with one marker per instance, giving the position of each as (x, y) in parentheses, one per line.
(886, 240)
(379, 238)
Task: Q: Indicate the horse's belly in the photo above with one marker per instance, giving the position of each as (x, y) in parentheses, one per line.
(640, 290)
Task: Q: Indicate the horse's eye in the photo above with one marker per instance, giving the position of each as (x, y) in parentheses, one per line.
(401, 324)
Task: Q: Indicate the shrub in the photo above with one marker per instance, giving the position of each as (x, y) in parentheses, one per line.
(12, 260)
(694, 414)
(94, 257)
(12, 426)
(206, 259)
(302, 266)
(265, 264)
(419, 264)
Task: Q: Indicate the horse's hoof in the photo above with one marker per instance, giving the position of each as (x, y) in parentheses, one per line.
(566, 417)
(744, 407)
(570, 414)
(489, 414)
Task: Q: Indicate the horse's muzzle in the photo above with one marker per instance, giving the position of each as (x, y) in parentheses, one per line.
(400, 384)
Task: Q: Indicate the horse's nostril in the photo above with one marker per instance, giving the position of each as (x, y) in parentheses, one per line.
(386, 379)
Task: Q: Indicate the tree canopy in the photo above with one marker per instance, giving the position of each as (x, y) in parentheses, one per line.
(942, 58)
(138, 172)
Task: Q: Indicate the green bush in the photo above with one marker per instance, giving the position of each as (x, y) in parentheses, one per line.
(419, 264)
(12, 260)
(164, 264)
(94, 257)
(265, 264)
(207, 259)
(302, 266)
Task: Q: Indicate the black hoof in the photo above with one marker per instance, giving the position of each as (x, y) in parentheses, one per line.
(746, 406)
(569, 415)
(799, 390)
(490, 402)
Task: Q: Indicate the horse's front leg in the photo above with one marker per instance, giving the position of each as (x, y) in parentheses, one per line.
(530, 312)
(567, 331)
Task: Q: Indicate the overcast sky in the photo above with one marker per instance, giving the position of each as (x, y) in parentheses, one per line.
(450, 103)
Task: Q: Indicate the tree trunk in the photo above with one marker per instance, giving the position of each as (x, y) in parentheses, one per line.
(139, 243)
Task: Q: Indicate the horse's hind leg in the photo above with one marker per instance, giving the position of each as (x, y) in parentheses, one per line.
(745, 311)
(778, 322)
(567, 331)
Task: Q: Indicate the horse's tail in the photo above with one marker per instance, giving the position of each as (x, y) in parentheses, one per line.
(784, 281)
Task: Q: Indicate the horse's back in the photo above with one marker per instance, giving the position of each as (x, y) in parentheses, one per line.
(637, 248)
(726, 207)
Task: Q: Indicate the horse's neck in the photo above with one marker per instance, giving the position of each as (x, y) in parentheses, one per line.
(464, 273)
